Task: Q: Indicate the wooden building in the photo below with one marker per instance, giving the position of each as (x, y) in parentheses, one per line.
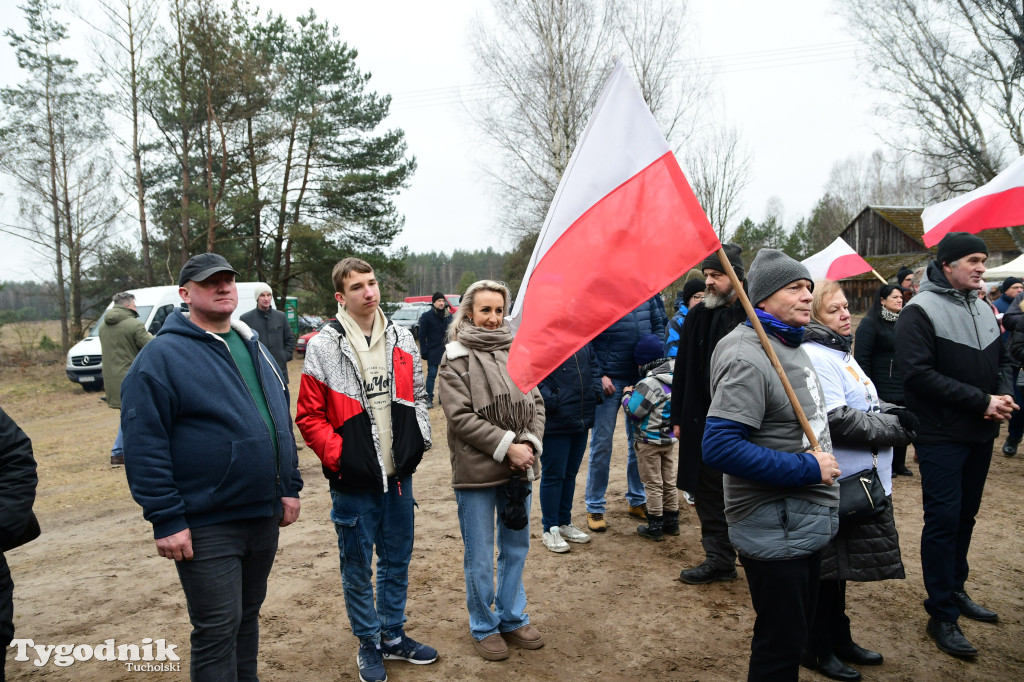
(889, 238)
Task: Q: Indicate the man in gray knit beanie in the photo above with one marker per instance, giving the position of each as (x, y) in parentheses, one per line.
(771, 271)
(781, 503)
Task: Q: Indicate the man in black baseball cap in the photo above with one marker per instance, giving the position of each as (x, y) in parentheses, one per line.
(201, 266)
(218, 477)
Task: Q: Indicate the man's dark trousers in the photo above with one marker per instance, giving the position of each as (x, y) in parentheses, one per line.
(225, 585)
(709, 501)
(784, 593)
(952, 481)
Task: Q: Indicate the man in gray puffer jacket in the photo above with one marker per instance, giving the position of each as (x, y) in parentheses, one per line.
(780, 501)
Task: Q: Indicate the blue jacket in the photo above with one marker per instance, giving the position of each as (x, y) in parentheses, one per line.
(614, 346)
(433, 330)
(197, 451)
(571, 394)
(675, 330)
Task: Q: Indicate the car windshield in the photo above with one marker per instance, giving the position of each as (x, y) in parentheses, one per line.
(406, 314)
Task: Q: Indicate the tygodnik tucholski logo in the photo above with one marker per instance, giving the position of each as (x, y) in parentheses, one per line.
(148, 656)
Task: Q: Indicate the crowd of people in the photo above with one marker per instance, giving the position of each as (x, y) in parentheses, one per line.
(784, 427)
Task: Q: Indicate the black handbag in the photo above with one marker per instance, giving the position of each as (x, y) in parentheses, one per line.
(514, 514)
(862, 496)
(30, 533)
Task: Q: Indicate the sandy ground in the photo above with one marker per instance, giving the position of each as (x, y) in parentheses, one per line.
(610, 610)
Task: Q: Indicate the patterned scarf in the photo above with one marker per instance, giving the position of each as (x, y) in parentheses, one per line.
(888, 315)
(789, 336)
(495, 397)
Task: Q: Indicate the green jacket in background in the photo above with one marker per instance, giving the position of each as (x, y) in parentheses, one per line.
(122, 336)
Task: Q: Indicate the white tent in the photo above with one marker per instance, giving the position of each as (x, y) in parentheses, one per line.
(1014, 268)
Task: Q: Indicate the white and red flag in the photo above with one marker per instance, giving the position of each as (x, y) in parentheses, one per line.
(623, 224)
(836, 261)
(999, 203)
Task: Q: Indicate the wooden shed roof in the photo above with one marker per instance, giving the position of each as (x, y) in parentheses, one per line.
(908, 220)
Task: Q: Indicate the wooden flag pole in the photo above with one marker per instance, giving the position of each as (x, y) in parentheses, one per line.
(875, 273)
(737, 286)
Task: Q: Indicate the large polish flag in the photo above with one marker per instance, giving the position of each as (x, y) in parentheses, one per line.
(623, 224)
(999, 203)
(836, 261)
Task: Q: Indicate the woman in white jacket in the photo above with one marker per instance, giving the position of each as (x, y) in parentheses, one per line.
(864, 430)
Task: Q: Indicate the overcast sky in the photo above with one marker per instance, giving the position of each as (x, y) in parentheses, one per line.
(785, 73)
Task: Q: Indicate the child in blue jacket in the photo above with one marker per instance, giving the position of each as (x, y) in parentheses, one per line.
(648, 410)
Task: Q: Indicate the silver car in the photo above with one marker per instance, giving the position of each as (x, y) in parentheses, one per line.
(409, 317)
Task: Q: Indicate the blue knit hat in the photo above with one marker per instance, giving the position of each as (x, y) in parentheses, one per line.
(648, 349)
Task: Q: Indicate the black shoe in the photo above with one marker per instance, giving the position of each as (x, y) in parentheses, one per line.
(830, 666)
(858, 655)
(904, 472)
(670, 526)
(950, 639)
(706, 573)
(972, 610)
(1010, 447)
(652, 531)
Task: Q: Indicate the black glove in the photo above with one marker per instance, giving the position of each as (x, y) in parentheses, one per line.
(908, 420)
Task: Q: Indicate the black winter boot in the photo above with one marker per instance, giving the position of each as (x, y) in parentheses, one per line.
(671, 523)
(652, 531)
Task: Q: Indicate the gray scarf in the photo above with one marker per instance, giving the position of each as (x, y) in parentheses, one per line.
(495, 397)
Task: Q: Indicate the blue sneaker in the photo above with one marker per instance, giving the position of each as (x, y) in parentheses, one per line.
(371, 665)
(408, 649)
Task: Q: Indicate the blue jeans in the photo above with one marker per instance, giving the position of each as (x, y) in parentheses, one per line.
(560, 463)
(364, 521)
(431, 376)
(479, 511)
(225, 585)
(118, 449)
(601, 455)
(952, 481)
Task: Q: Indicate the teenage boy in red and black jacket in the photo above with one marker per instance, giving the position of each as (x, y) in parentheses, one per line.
(362, 409)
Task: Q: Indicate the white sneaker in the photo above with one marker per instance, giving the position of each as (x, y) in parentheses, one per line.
(573, 534)
(688, 498)
(554, 542)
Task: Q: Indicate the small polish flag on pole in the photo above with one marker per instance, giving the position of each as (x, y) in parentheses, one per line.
(1000, 203)
(836, 261)
(623, 224)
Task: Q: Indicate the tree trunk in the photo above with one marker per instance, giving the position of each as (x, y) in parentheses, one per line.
(62, 303)
(256, 255)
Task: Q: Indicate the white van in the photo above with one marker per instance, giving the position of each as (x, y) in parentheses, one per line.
(154, 304)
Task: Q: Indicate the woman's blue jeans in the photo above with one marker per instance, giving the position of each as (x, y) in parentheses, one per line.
(479, 514)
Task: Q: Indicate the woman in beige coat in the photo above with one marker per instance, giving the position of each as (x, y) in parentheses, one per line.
(494, 435)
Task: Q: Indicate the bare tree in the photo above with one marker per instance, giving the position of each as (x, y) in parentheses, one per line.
(952, 73)
(653, 35)
(718, 166)
(52, 134)
(547, 61)
(544, 58)
(125, 30)
(881, 179)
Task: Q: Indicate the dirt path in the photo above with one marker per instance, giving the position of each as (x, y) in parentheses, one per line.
(610, 610)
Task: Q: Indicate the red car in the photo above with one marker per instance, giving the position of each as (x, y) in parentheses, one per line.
(300, 345)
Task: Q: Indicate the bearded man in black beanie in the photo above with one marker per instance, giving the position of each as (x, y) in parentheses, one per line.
(706, 324)
(956, 379)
